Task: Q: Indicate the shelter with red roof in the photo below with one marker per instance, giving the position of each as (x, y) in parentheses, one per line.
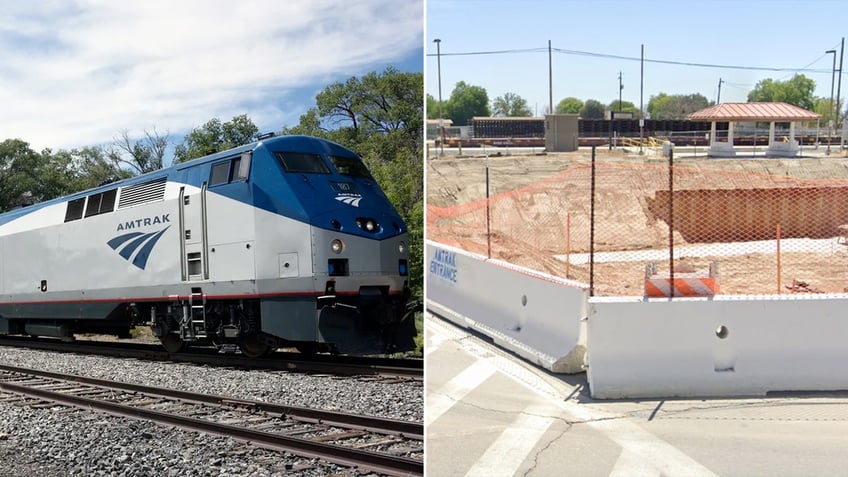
(754, 112)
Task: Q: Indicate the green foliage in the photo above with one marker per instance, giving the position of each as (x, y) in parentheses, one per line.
(797, 91)
(511, 105)
(28, 177)
(626, 107)
(825, 107)
(467, 101)
(592, 109)
(381, 117)
(419, 337)
(92, 167)
(216, 136)
(20, 166)
(570, 105)
(433, 107)
(677, 106)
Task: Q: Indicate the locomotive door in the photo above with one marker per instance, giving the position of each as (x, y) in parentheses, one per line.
(193, 241)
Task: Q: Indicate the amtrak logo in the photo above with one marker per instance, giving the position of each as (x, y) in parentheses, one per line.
(349, 199)
(135, 247)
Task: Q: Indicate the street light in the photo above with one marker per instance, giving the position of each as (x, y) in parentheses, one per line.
(438, 43)
(830, 122)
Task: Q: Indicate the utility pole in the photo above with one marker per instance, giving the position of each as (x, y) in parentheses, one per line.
(438, 43)
(550, 81)
(641, 100)
(718, 98)
(830, 123)
(620, 87)
(838, 92)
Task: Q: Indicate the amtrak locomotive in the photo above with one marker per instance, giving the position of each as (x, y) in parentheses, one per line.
(285, 242)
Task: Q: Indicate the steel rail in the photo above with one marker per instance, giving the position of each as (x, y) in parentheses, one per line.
(411, 369)
(408, 429)
(369, 461)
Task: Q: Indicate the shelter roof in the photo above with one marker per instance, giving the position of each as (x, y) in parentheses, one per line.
(765, 112)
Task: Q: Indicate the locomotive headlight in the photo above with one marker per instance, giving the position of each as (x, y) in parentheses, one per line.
(401, 247)
(368, 224)
(337, 246)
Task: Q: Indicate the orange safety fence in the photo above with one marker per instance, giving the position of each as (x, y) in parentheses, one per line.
(769, 232)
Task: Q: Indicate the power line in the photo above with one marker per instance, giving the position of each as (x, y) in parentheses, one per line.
(807, 65)
(631, 58)
(496, 52)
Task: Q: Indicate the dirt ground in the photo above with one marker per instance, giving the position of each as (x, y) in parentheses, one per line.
(536, 198)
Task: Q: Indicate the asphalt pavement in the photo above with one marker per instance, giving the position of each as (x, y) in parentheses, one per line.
(490, 413)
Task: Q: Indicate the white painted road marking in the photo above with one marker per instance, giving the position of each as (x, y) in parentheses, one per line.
(442, 399)
(433, 344)
(515, 443)
(640, 445)
(630, 464)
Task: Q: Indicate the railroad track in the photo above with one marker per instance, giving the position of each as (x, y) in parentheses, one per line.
(384, 368)
(385, 446)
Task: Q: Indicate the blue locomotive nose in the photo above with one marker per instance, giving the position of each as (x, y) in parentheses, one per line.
(334, 188)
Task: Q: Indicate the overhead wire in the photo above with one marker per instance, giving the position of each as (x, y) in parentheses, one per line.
(647, 60)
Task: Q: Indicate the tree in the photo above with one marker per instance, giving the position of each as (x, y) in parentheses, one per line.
(17, 167)
(309, 125)
(510, 104)
(143, 155)
(677, 106)
(216, 136)
(377, 104)
(28, 177)
(797, 91)
(92, 167)
(433, 107)
(592, 109)
(626, 107)
(825, 107)
(467, 101)
(570, 105)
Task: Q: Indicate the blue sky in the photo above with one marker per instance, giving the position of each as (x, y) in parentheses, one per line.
(77, 73)
(790, 35)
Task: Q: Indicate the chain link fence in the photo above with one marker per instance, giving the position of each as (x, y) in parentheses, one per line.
(625, 226)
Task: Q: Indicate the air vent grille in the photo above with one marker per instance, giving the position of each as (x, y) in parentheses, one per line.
(142, 193)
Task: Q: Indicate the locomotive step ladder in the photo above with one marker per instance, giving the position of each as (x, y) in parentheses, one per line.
(197, 307)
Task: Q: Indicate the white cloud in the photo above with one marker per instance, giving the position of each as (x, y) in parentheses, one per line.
(76, 73)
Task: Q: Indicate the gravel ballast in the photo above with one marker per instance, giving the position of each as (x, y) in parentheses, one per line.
(61, 441)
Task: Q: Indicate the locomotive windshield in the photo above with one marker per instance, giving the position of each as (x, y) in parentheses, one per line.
(350, 166)
(302, 162)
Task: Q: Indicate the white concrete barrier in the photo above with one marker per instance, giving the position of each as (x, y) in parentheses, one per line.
(726, 346)
(537, 316)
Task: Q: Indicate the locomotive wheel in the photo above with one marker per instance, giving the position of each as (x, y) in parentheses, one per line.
(172, 343)
(252, 348)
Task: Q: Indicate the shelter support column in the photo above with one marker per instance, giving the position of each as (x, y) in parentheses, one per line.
(788, 147)
(720, 148)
